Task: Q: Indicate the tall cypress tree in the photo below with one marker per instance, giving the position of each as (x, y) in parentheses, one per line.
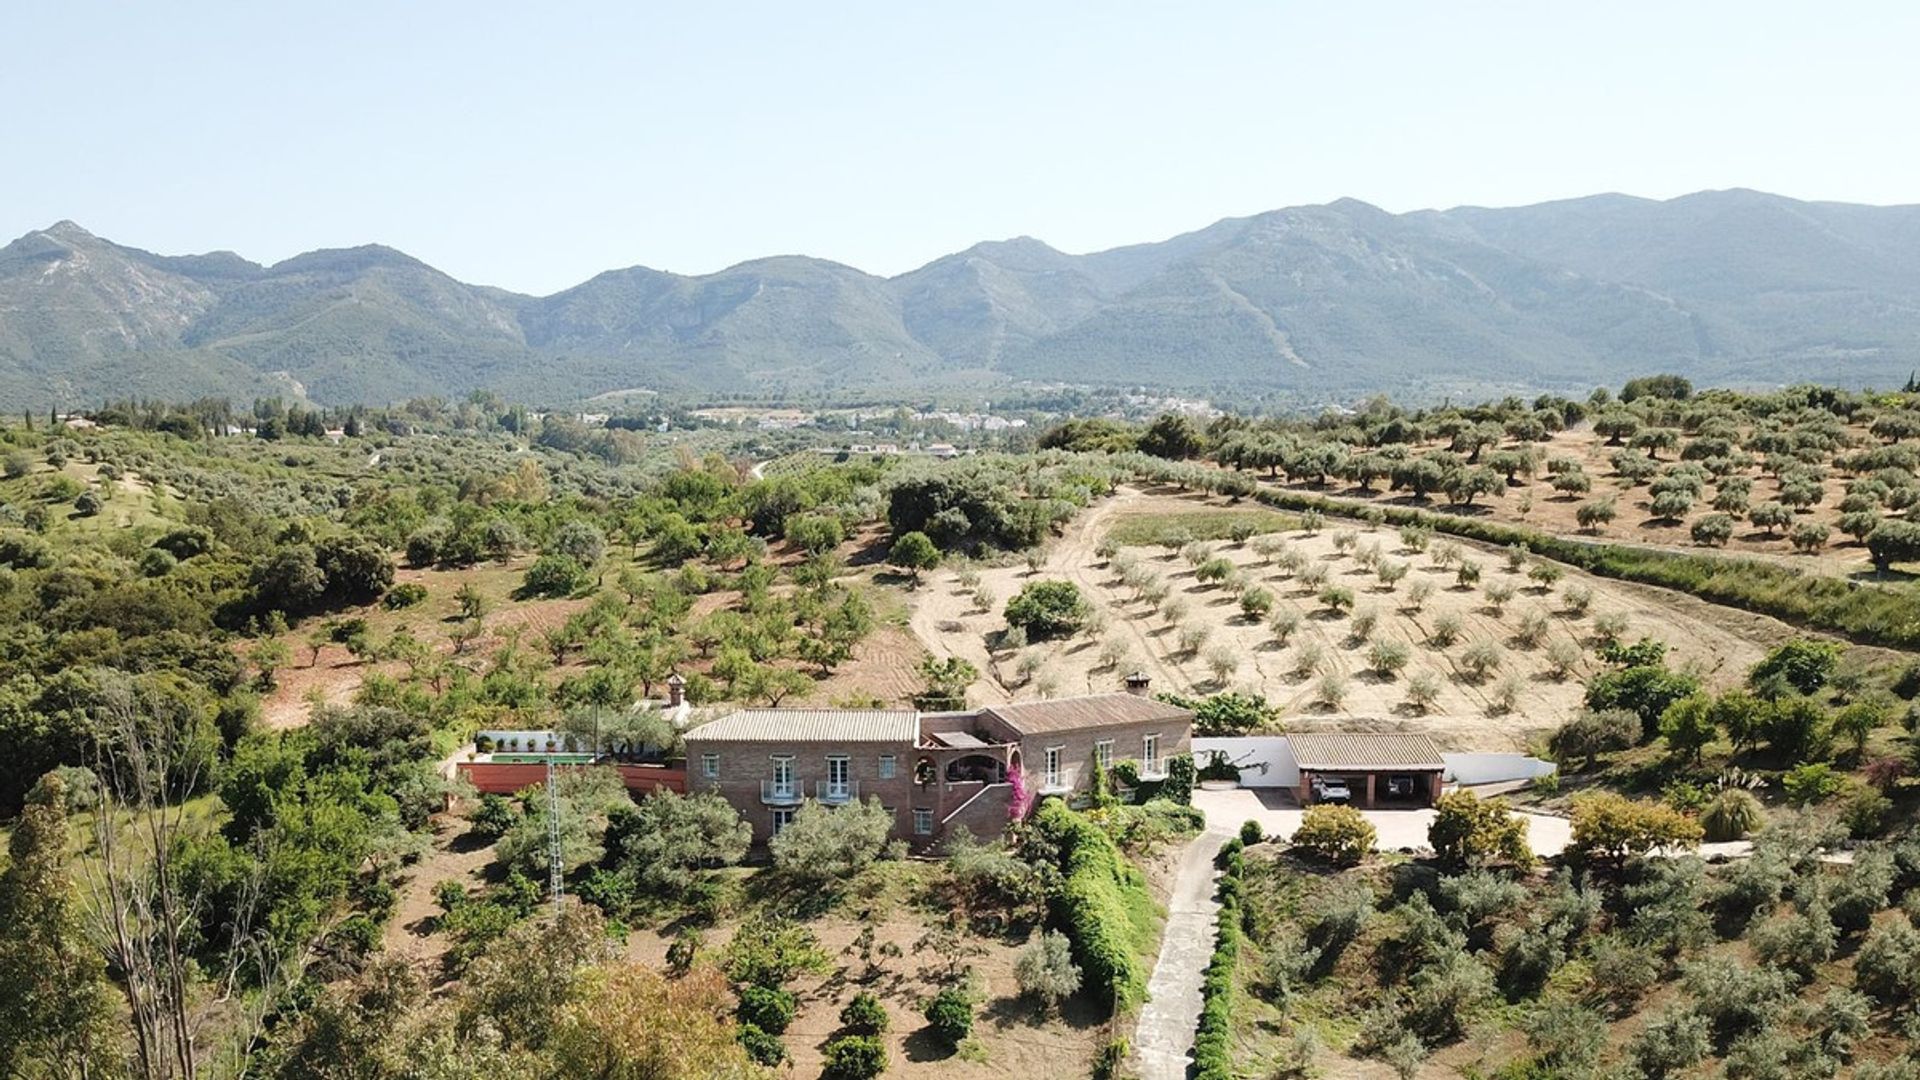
(56, 1014)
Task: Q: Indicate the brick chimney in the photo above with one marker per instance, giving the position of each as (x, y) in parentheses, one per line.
(1138, 682)
(676, 691)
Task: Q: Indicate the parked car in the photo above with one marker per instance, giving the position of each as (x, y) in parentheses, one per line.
(1334, 790)
(1400, 787)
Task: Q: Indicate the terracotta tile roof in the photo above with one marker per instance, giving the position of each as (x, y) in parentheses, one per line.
(1365, 751)
(811, 725)
(1092, 711)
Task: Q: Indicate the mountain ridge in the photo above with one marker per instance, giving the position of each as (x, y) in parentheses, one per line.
(1318, 302)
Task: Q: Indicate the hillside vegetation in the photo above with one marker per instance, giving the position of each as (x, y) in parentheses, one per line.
(1316, 302)
(241, 658)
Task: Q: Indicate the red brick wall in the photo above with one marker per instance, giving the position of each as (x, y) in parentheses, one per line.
(505, 778)
(744, 765)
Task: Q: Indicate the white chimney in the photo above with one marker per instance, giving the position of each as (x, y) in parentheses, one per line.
(1138, 682)
(676, 691)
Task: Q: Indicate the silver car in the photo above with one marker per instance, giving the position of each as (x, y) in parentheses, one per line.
(1331, 791)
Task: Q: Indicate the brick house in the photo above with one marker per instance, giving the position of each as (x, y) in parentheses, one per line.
(934, 771)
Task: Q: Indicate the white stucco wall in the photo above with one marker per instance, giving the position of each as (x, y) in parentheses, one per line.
(1251, 752)
(1494, 768)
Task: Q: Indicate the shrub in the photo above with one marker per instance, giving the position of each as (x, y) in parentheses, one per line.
(1591, 516)
(684, 949)
(1735, 999)
(1442, 997)
(554, 575)
(1229, 713)
(1222, 662)
(1864, 813)
(1331, 690)
(769, 954)
(1623, 971)
(915, 553)
(1645, 690)
(1566, 1037)
(1251, 833)
(1499, 594)
(1388, 656)
(1887, 967)
(1576, 599)
(1418, 594)
(1191, 638)
(1670, 1044)
(763, 1047)
(864, 1015)
(1213, 1036)
(950, 1016)
(1045, 970)
(1798, 943)
(404, 595)
(1092, 902)
(1391, 574)
(1713, 530)
(1610, 826)
(1337, 834)
(1562, 658)
(1532, 630)
(1336, 598)
(1467, 830)
(1732, 815)
(1480, 659)
(770, 1009)
(1811, 783)
(854, 1057)
(824, 844)
(1423, 690)
(1805, 665)
(1255, 603)
(1047, 609)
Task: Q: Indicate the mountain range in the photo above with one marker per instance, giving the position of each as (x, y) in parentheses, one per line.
(1319, 303)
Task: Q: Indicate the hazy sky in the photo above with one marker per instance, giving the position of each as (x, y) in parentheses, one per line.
(533, 145)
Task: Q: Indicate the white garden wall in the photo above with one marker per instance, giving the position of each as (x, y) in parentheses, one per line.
(1252, 752)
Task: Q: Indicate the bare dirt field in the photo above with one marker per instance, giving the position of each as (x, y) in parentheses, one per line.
(454, 856)
(1016, 1040)
(1323, 657)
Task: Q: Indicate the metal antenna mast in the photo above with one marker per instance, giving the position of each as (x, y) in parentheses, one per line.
(556, 877)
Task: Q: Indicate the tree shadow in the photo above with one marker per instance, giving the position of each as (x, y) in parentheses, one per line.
(468, 842)
(924, 1045)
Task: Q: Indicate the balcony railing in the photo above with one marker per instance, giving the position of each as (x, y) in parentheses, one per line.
(1058, 782)
(780, 792)
(827, 791)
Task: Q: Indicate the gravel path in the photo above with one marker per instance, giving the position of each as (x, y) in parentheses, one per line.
(1164, 1034)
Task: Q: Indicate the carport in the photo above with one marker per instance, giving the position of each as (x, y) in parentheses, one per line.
(1379, 769)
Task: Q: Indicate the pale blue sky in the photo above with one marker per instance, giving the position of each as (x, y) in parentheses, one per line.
(533, 145)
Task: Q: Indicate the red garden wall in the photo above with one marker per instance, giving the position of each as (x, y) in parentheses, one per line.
(504, 779)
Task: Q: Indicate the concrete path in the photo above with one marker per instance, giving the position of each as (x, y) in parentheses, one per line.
(1164, 1034)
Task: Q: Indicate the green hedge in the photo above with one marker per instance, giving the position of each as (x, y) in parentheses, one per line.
(1866, 613)
(1213, 1038)
(1092, 905)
